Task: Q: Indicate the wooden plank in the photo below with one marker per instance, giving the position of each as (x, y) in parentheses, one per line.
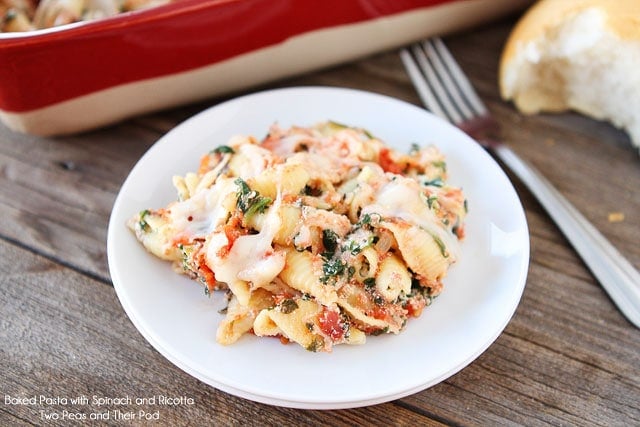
(65, 335)
(57, 193)
(7, 419)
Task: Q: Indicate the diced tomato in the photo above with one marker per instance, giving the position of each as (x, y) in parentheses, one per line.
(380, 313)
(387, 163)
(290, 198)
(181, 239)
(415, 306)
(283, 339)
(330, 324)
(272, 141)
(453, 193)
(209, 277)
(232, 230)
(204, 271)
(207, 162)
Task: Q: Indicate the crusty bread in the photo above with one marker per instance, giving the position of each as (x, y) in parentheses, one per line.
(582, 55)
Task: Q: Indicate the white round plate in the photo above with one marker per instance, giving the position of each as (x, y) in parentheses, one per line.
(481, 292)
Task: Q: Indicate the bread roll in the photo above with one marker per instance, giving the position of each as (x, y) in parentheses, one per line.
(582, 55)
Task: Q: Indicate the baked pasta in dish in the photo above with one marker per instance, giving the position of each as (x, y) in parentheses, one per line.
(28, 15)
(319, 235)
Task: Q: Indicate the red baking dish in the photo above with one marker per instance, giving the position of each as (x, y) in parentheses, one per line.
(85, 75)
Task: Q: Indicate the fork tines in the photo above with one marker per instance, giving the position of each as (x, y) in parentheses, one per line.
(441, 84)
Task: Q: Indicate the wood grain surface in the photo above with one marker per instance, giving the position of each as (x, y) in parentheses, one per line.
(568, 357)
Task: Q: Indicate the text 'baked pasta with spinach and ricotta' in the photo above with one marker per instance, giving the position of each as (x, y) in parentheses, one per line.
(318, 235)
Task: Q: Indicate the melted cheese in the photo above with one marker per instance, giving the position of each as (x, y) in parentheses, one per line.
(400, 198)
(201, 214)
(258, 160)
(288, 145)
(251, 257)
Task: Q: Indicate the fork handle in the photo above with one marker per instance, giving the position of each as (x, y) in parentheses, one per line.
(616, 275)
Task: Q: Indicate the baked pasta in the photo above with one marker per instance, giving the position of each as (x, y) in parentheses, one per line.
(29, 15)
(318, 235)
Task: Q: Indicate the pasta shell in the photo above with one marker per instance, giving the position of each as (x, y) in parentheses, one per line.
(298, 273)
(296, 325)
(290, 223)
(423, 252)
(393, 278)
(355, 301)
(240, 318)
(290, 179)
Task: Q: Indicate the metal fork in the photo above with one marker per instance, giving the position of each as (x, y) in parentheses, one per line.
(446, 91)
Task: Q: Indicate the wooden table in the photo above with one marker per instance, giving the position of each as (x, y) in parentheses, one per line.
(568, 357)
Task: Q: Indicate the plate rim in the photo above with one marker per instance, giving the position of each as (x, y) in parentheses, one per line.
(275, 398)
